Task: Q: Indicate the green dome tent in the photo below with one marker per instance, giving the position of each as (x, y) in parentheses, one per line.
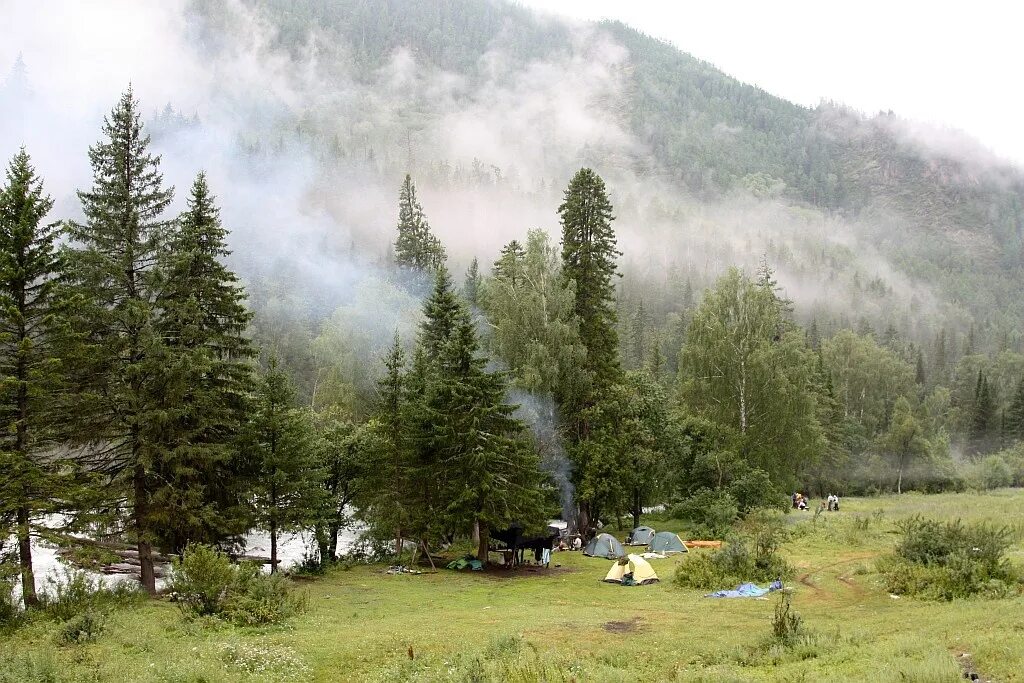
(604, 545)
(642, 535)
(666, 542)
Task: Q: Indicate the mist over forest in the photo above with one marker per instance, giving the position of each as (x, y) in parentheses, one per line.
(437, 272)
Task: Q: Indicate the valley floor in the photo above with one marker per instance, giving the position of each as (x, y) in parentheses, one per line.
(565, 624)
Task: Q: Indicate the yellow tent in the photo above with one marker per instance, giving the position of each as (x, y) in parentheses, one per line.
(641, 570)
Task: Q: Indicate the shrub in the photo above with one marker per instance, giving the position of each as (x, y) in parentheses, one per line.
(257, 599)
(993, 472)
(946, 560)
(754, 489)
(787, 626)
(710, 513)
(207, 584)
(745, 559)
(200, 580)
(78, 592)
(82, 628)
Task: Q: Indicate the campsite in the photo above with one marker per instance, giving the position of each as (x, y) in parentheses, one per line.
(566, 624)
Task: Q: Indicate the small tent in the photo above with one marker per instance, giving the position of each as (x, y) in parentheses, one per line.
(641, 570)
(642, 535)
(604, 545)
(666, 542)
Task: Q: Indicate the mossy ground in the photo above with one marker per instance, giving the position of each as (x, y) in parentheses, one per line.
(565, 624)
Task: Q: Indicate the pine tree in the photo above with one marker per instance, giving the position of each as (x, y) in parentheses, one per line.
(201, 495)
(983, 414)
(416, 248)
(508, 269)
(33, 311)
(589, 254)
(390, 487)
(1015, 414)
(471, 288)
(588, 259)
(489, 477)
(443, 312)
(115, 266)
(287, 493)
(919, 374)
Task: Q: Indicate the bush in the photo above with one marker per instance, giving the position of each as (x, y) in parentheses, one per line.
(753, 559)
(946, 560)
(710, 513)
(787, 626)
(79, 592)
(993, 472)
(82, 628)
(201, 579)
(754, 489)
(205, 583)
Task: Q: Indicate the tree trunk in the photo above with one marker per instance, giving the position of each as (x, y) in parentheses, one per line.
(147, 577)
(476, 532)
(273, 546)
(28, 579)
(398, 546)
(484, 538)
(637, 508)
(743, 397)
(899, 478)
(323, 545)
(332, 542)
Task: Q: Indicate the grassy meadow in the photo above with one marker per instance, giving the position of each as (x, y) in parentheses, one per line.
(564, 624)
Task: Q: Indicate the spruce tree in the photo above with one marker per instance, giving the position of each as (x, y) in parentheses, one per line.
(1015, 414)
(416, 248)
(471, 287)
(116, 254)
(33, 309)
(442, 312)
(489, 477)
(201, 492)
(983, 414)
(588, 260)
(287, 493)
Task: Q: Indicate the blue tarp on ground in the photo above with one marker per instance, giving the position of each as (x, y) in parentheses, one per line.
(746, 590)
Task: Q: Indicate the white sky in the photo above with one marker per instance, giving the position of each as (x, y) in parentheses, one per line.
(958, 65)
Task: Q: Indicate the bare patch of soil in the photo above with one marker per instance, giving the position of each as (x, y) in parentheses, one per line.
(632, 626)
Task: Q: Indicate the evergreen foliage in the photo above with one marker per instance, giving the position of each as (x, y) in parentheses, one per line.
(416, 248)
(33, 339)
(116, 254)
(287, 489)
(200, 496)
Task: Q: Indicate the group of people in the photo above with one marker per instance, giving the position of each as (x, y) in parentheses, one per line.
(800, 502)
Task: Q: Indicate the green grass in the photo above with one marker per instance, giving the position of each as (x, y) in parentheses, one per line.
(555, 626)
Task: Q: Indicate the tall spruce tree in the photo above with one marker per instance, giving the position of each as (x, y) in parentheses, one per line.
(287, 492)
(390, 487)
(33, 312)
(116, 255)
(416, 248)
(589, 254)
(489, 476)
(201, 495)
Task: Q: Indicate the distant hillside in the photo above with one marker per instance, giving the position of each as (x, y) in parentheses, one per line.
(953, 219)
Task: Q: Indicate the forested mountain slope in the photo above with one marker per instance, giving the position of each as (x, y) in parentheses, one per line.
(944, 211)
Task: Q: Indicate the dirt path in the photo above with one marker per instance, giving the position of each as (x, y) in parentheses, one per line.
(805, 578)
